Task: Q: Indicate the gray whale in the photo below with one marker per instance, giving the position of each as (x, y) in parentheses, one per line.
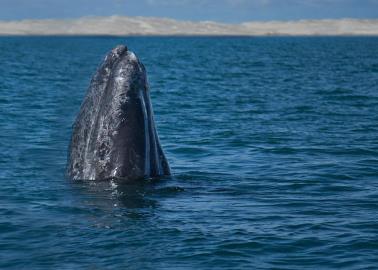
(114, 135)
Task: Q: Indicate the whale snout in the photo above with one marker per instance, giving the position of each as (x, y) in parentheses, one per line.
(129, 75)
(119, 50)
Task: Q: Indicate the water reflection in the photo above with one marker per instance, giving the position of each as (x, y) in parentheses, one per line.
(135, 195)
(110, 195)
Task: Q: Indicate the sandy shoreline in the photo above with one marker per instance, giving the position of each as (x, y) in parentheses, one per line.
(149, 26)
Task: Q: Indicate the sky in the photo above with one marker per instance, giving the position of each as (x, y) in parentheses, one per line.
(228, 11)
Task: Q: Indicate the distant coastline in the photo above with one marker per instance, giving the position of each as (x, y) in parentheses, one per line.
(149, 26)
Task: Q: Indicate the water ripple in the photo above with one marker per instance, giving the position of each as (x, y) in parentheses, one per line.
(273, 146)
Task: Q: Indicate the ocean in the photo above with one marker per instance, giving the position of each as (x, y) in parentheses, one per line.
(272, 142)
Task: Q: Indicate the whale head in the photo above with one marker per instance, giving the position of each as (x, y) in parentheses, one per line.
(114, 135)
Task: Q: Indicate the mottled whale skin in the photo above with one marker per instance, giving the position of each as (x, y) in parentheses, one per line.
(114, 135)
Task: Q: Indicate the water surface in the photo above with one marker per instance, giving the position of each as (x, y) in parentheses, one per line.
(273, 143)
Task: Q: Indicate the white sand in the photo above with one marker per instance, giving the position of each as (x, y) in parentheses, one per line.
(121, 25)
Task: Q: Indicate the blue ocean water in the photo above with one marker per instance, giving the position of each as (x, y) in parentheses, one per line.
(273, 145)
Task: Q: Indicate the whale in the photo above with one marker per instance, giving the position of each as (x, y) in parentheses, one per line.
(114, 135)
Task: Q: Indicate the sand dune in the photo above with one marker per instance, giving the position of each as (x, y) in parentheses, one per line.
(122, 25)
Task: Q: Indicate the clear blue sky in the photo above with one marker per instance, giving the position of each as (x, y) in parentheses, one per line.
(218, 10)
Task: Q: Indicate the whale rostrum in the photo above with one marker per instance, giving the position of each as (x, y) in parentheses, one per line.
(114, 135)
